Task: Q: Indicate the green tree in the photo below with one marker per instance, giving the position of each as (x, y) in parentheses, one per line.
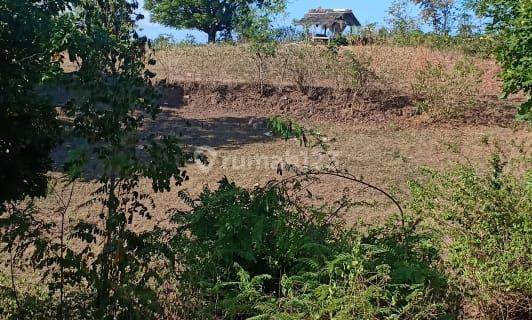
(437, 12)
(209, 16)
(114, 95)
(511, 22)
(400, 19)
(256, 29)
(28, 126)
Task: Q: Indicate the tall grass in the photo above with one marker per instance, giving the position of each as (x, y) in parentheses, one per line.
(446, 92)
(386, 69)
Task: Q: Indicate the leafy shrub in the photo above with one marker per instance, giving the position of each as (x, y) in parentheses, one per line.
(486, 221)
(299, 62)
(34, 304)
(446, 93)
(257, 254)
(510, 22)
(479, 45)
(339, 41)
(347, 71)
(254, 229)
(377, 278)
(287, 129)
(164, 42)
(355, 72)
(28, 126)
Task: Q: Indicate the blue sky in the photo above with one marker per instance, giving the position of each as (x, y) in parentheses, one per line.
(367, 11)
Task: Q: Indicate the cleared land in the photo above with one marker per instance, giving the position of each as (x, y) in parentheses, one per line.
(210, 99)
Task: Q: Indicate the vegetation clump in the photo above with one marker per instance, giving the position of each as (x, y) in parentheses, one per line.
(28, 127)
(460, 247)
(486, 222)
(260, 255)
(445, 93)
(511, 24)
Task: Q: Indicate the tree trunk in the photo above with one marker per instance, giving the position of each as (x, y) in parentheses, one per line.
(261, 77)
(436, 24)
(445, 28)
(105, 280)
(212, 36)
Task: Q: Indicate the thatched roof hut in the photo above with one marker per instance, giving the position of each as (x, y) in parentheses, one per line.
(335, 20)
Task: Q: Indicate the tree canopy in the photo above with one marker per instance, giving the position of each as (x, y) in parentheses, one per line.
(399, 18)
(437, 12)
(209, 16)
(28, 127)
(511, 22)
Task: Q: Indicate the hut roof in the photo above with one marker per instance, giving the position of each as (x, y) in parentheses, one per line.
(328, 16)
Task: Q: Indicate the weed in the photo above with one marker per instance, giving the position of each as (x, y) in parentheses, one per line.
(446, 93)
(299, 60)
(396, 154)
(486, 221)
(259, 254)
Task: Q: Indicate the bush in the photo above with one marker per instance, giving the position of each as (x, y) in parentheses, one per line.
(475, 45)
(355, 72)
(446, 93)
(300, 60)
(254, 229)
(29, 129)
(510, 21)
(377, 278)
(339, 41)
(257, 254)
(487, 223)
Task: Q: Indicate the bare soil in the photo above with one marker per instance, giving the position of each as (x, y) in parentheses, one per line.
(381, 142)
(377, 136)
(386, 146)
(324, 105)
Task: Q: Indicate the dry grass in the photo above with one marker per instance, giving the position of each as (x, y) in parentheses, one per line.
(376, 76)
(387, 156)
(447, 93)
(383, 153)
(395, 66)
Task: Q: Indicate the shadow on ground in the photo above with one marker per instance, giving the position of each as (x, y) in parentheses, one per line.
(221, 132)
(227, 133)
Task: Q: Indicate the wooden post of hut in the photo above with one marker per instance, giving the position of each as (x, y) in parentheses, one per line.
(332, 22)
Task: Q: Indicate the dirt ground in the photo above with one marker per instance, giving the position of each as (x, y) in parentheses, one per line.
(384, 147)
(379, 138)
